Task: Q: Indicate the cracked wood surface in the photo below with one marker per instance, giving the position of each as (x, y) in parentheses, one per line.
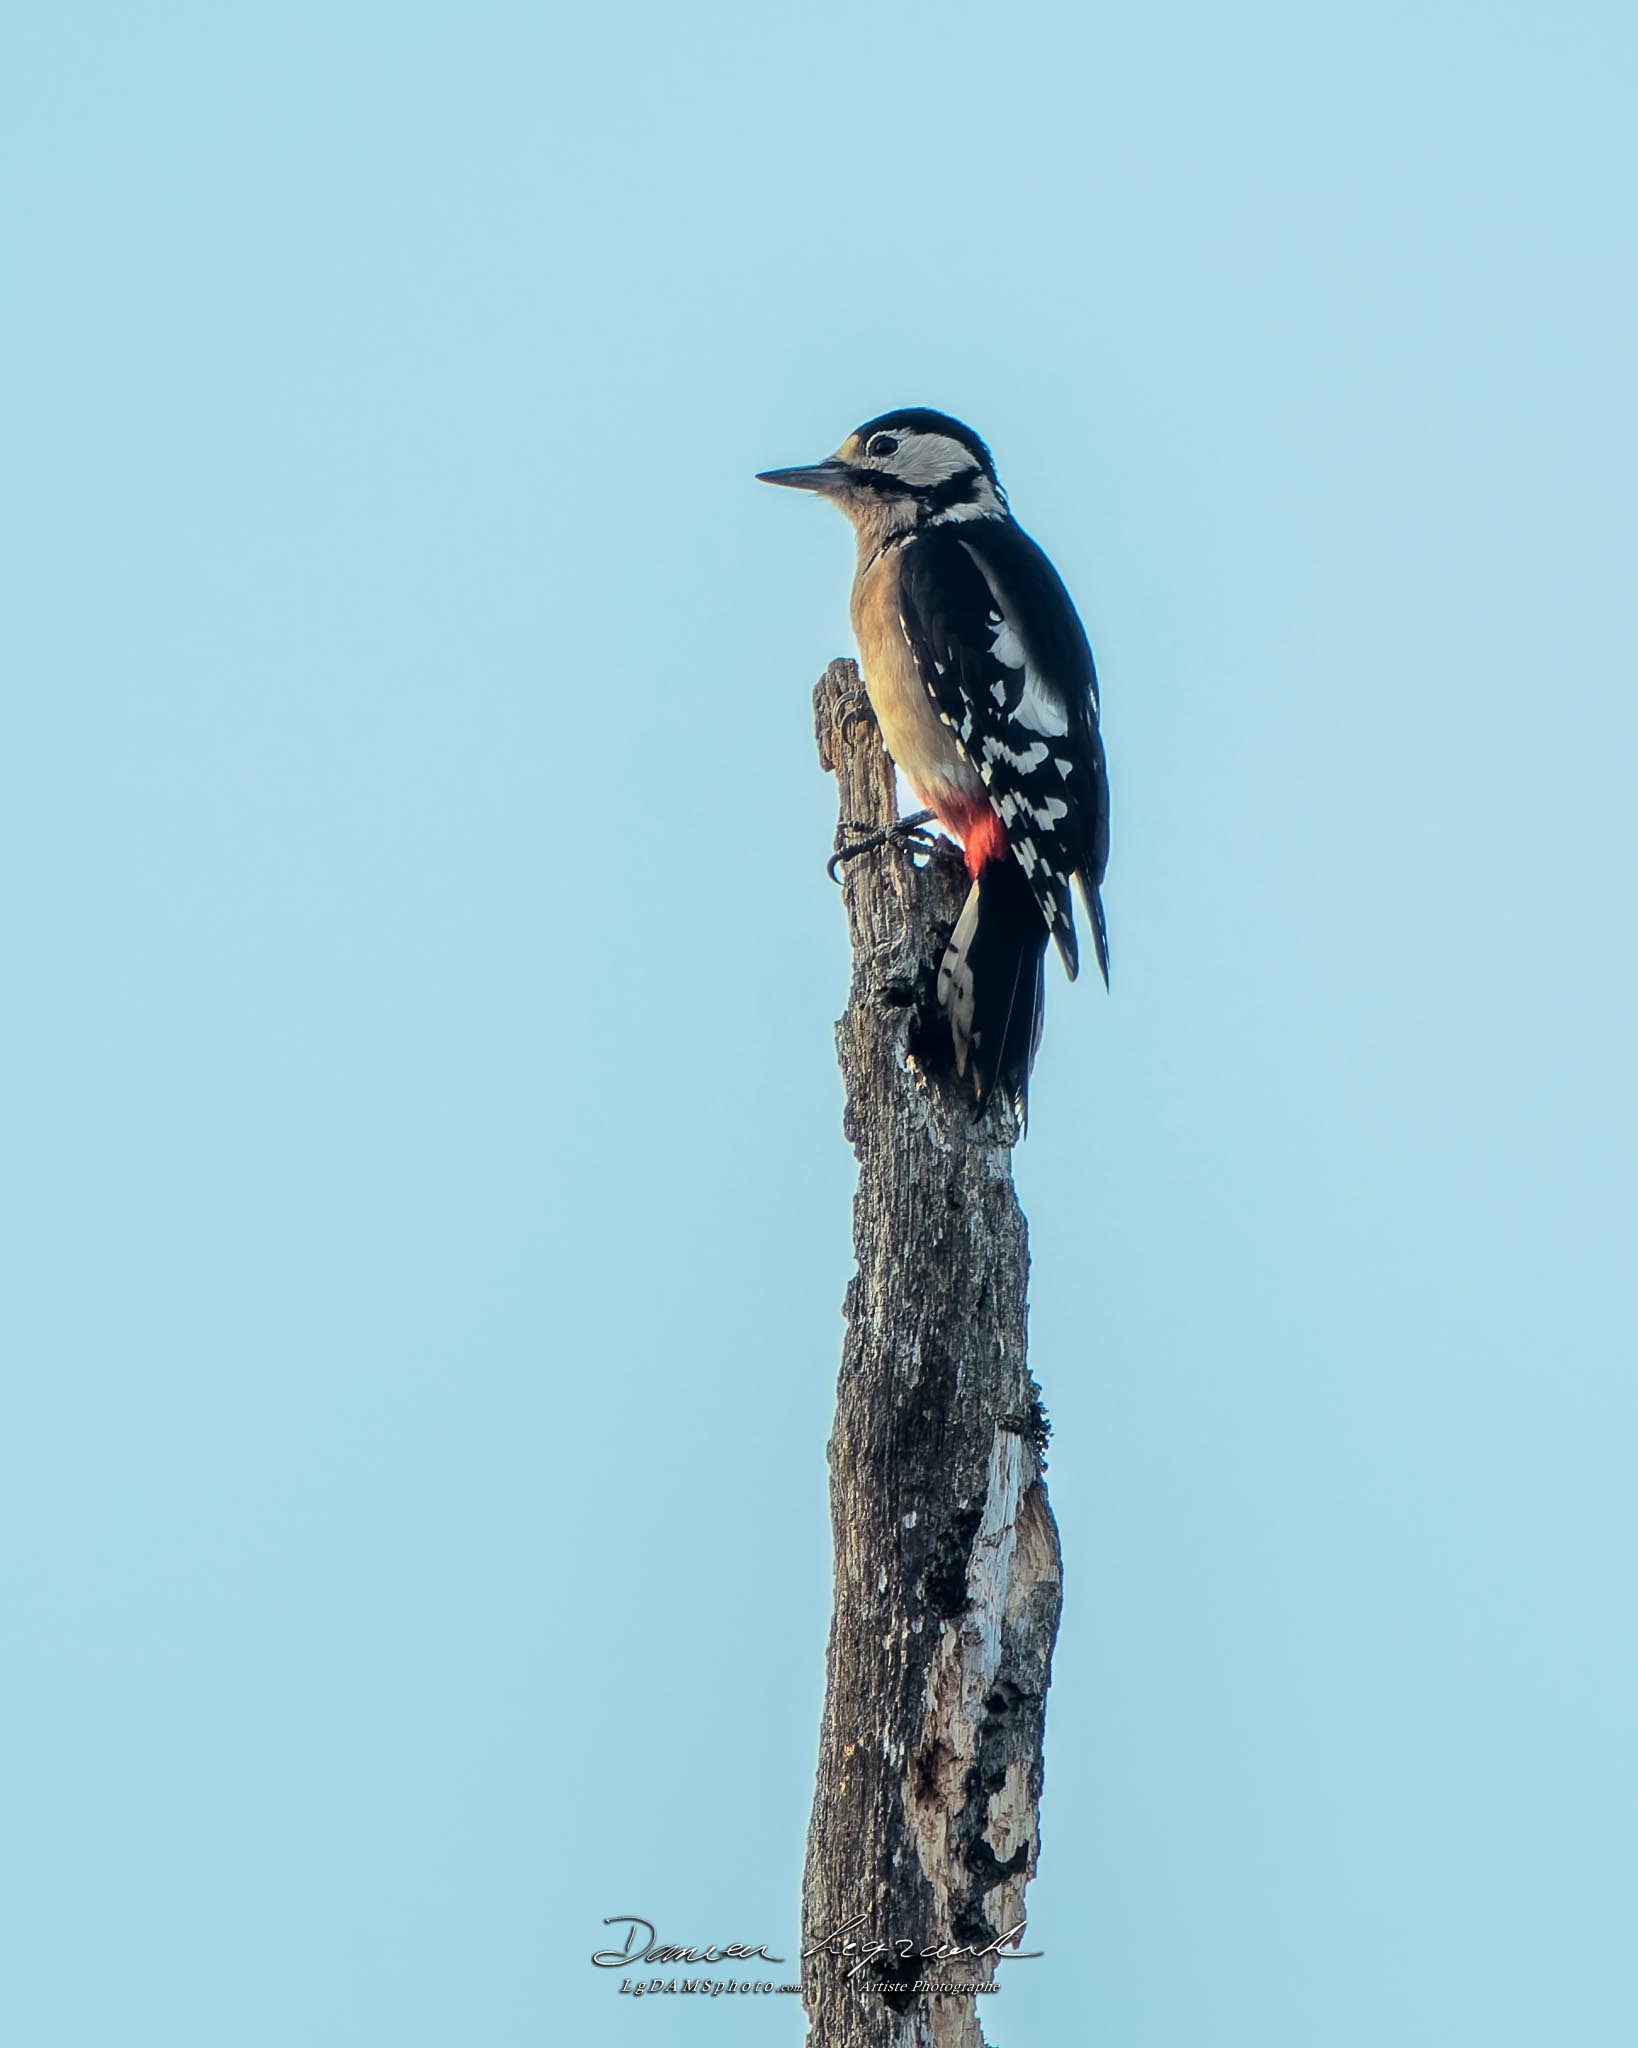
(948, 1591)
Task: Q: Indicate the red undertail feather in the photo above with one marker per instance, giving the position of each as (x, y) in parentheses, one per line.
(982, 835)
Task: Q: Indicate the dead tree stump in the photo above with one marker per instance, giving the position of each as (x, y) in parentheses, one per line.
(924, 1831)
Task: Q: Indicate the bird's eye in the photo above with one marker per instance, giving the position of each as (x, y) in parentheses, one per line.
(881, 444)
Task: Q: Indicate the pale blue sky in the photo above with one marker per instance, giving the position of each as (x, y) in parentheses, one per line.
(425, 1207)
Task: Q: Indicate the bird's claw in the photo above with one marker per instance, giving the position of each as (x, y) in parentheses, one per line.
(910, 833)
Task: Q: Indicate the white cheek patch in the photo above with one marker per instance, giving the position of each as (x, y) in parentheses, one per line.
(923, 459)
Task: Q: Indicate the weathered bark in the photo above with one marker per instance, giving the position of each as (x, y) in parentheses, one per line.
(924, 1827)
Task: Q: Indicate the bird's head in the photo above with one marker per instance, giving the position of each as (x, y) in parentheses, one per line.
(904, 469)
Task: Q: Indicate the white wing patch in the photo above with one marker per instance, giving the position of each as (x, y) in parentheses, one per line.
(1026, 762)
(1032, 713)
(1007, 714)
(1040, 710)
(1007, 648)
(1038, 706)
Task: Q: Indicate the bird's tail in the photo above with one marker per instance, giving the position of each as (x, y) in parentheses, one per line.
(992, 983)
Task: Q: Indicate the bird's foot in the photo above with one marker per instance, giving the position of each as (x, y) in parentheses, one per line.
(910, 833)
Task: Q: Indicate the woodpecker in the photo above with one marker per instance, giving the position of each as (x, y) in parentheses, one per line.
(981, 678)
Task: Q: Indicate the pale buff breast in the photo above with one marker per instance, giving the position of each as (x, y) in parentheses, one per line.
(923, 747)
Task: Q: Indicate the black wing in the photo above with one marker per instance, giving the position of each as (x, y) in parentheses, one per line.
(1005, 658)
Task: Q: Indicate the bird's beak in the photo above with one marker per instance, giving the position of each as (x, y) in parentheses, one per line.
(825, 477)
